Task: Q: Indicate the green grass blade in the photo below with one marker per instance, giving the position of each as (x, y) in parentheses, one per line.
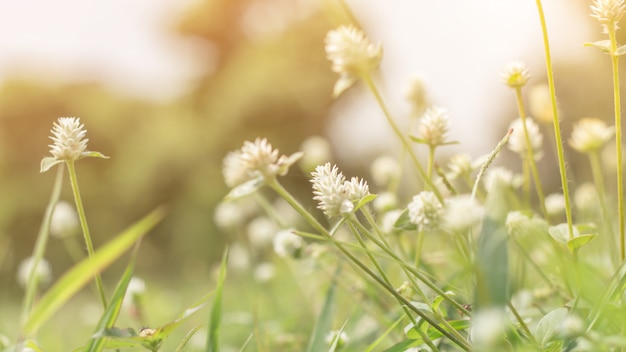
(216, 311)
(109, 317)
(80, 274)
(187, 337)
(371, 347)
(325, 319)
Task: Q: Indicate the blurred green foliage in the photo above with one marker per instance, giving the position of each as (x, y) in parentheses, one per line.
(161, 152)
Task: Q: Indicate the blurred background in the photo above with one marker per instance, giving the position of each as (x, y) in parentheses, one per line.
(167, 87)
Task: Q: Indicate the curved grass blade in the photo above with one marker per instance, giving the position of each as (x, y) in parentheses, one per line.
(373, 345)
(188, 337)
(80, 274)
(212, 344)
(96, 344)
(325, 319)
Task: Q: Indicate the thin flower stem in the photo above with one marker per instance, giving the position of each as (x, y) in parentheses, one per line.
(431, 161)
(618, 140)
(274, 184)
(83, 224)
(530, 153)
(40, 245)
(522, 324)
(405, 143)
(555, 121)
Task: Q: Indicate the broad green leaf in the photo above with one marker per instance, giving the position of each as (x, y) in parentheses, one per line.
(325, 319)
(365, 200)
(560, 233)
(216, 311)
(491, 268)
(81, 273)
(110, 315)
(404, 222)
(575, 243)
(548, 326)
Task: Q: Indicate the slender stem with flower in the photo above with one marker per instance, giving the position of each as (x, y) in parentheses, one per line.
(70, 144)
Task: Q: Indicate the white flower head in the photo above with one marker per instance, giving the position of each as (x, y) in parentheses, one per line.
(68, 135)
(586, 197)
(501, 177)
(316, 151)
(336, 195)
(488, 329)
(516, 74)
(261, 232)
(288, 244)
(389, 219)
(385, 201)
(417, 96)
(233, 169)
(425, 211)
(540, 103)
(555, 204)
(64, 220)
(238, 257)
(43, 272)
(590, 134)
(460, 165)
(384, 170)
(517, 142)
(134, 292)
(352, 55)
(259, 158)
(608, 13)
(69, 143)
(264, 272)
(434, 126)
(228, 215)
(462, 213)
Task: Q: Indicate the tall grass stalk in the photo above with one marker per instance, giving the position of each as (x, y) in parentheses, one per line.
(555, 121)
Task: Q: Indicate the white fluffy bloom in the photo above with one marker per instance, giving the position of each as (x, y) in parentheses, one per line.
(462, 213)
(238, 257)
(488, 328)
(608, 13)
(540, 103)
(261, 232)
(417, 96)
(385, 169)
(64, 220)
(555, 204)
(316, 151)
(389, 219)
(336, 195)
(136, 288)
(227, 215)
(233, 169)
(434, 126)
(287, 244)
(385, 201)
(256, 159)
(515, 74)
(501, 177)
(517, 142)
(68, 135)
(264, 272)
(460, 165)
(425, 211)
(590, 134)
(342, 338)
(43, 272)
(586, 198)
(352, 55)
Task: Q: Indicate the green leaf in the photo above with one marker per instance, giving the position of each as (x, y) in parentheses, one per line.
(520, 224)
(89, 154)
(433, 333)
(603, 45)
(547, 328)
(575, 243)
(48, 162)
(338, 343)
(245, 189)
(418, 140)
(560, 233)
(492, 266)
(81, 273)
(110, 315)
(325, 319)
(404, 222)
(368, 198)
(216, 311)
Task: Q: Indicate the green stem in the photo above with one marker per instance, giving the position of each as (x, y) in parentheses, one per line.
(83, 224)
(405, 143)
(555, 121)
(40, 245)
(530, 153)
(274, 184)
(618, 140)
